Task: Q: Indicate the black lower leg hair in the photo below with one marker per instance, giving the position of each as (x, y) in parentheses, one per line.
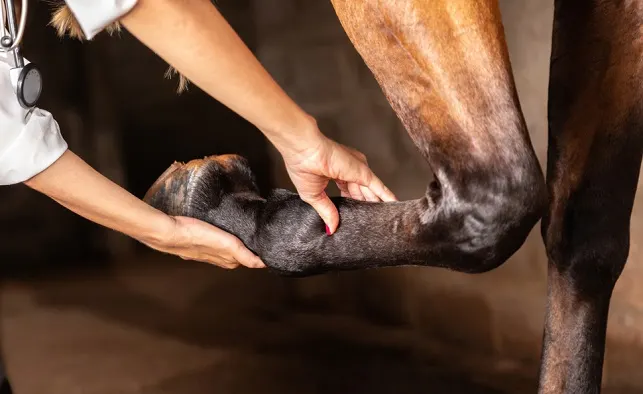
(594, 160)
(456, 97)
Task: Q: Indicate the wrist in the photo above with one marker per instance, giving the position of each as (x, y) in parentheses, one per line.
(161, 231)
(302, 135)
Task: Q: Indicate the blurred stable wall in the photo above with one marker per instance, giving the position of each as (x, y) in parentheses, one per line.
(119, 113)
(497, 316)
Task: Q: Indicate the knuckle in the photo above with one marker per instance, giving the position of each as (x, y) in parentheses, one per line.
(226, 263)
(231, 244)
(252, 264)
(369, 177)
(317, 200)
(236, 244)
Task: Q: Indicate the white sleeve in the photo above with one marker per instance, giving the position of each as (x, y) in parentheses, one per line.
(30, 141)
(94, 15)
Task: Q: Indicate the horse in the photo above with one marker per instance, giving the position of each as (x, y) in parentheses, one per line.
(444, 68)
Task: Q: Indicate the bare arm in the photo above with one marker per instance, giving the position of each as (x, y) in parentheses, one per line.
(77, 186)
(194, 38)
(444, 68)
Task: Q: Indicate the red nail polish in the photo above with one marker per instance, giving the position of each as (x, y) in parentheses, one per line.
(327, 229)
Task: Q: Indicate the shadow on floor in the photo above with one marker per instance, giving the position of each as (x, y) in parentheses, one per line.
(171, 327)
(319, 368)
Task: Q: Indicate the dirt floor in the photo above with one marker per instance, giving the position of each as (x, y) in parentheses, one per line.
(168, 327)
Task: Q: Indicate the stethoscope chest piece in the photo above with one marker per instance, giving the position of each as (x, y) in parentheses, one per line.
(29, 86)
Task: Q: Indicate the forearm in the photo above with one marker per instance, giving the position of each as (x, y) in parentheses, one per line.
(193, 37)
(77, 186)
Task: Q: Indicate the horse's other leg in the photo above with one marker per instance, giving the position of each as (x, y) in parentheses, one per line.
(594, 159)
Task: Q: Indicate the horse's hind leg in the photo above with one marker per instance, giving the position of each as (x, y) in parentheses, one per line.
(594, 159)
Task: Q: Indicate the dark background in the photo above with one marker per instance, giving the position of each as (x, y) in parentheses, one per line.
(119, 113)
(87, 310)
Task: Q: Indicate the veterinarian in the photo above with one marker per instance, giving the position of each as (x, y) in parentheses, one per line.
(195, 39)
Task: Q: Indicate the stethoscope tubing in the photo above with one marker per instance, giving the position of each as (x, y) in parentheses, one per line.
(7, 13)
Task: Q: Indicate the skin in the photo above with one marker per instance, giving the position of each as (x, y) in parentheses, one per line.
(193, 38)
(444, 68)
(77, 186)
(458, 102)
(191, 35)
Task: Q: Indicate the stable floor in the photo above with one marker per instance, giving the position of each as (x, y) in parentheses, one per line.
(167, 327)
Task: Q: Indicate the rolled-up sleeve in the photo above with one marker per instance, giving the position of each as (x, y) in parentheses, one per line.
(30, 141)
(94, 15)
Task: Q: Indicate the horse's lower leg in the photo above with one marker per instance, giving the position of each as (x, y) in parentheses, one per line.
(444, 67)
(596, 143)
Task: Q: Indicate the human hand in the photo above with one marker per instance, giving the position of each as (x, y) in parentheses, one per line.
(318, 160)
(193, 239)
(74, 184)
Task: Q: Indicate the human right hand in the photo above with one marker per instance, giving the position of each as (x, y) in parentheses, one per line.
(193, 239)
(315, 160)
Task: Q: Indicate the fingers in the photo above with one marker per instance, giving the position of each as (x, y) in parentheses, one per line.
(371, 187)
(356, 192)
(325, 209)
(218, 261)
(369, 195)
(240, 257)
(358, 155)
(367, 187)
(233, 253)
(225, 264)
(376, 186)
(343, 188)
(245, 257)
(200, 241)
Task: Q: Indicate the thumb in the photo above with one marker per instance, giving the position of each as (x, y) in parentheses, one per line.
(326, 210)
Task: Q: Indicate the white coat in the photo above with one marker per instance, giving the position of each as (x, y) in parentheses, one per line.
(30, 140)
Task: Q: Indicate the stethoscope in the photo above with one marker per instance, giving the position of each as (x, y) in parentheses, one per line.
(25, 76)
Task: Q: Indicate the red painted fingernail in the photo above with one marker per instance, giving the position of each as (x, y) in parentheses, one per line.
(327, 229)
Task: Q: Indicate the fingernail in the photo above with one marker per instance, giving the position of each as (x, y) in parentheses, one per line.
(327, 229)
